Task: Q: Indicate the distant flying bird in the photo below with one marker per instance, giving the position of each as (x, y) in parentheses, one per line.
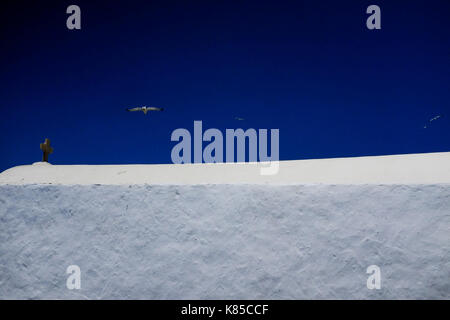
(239, 119)
(431, 120)
(145, 109)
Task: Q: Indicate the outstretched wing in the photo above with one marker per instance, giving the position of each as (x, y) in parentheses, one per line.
(134, 109)
(435, 118)
(155, 109)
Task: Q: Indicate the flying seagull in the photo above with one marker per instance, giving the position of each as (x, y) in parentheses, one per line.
(432, 119)
(145, 109)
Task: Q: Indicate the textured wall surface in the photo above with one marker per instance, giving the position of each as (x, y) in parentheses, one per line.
(225, 241)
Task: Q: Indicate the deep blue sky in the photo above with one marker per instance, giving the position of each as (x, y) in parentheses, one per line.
(310, 68)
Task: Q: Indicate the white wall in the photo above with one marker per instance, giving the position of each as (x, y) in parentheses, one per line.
(225, 241)
(425, 168)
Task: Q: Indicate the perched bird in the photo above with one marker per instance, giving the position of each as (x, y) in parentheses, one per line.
(145, 109)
